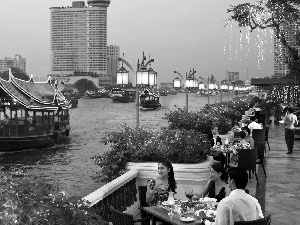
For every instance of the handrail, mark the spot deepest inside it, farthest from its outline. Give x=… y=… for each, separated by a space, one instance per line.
x=104 y=191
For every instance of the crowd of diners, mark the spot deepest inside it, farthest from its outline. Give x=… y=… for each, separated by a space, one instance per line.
x=234 y=201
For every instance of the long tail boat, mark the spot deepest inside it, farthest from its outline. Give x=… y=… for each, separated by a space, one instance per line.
x=32 y=114
x=149 y=100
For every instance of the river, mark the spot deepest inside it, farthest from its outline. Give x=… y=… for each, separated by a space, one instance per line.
x=70 y=163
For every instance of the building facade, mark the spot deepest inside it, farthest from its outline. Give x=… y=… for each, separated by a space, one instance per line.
x=113 y=65
x=78 y=40
x=8 y=62
x=232 y=76
x=280 y=52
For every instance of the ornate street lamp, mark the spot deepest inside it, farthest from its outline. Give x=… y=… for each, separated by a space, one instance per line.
x=190 y=82
x=144 y=77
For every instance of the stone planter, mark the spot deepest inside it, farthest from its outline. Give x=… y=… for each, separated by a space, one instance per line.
x=186 y=175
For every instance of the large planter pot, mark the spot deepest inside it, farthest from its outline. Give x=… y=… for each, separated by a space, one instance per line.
x=186 y=175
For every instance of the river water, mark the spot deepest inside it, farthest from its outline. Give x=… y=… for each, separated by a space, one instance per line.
x=70 y=163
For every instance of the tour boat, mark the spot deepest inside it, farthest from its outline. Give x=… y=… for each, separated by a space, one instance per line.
x=124 y=96
x=149 y=100
x=32 y=114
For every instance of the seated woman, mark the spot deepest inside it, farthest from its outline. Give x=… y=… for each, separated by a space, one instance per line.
x=248 y=138
x=216 y=186
x=235 y=123
x=158 y=188
x=242 y=144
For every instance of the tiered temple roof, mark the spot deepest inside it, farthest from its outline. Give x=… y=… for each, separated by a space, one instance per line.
x=33 y=95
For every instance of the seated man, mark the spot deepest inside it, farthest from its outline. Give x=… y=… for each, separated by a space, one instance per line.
x=212 y=135
x=238 y=206
x=254 y=124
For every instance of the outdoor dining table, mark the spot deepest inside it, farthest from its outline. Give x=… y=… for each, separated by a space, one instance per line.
x=161 y=213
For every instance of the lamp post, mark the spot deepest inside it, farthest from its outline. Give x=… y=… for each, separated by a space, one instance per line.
x=202 y=86
x=144 y=77
x=190 y=82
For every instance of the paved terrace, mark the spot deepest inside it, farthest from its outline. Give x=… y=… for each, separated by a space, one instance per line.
x=279 y=193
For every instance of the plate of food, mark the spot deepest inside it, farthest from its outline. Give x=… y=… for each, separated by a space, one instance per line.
x=187 y=219
x=211 y=213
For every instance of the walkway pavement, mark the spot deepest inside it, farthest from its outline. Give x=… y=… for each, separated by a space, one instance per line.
x=279 y=192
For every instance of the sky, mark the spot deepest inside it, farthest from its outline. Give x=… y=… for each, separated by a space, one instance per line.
x=178 y=34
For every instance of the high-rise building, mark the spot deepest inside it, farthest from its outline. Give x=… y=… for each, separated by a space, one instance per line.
x=9 y=62
x=113 y=65
x=280 y=52
x=78 y=40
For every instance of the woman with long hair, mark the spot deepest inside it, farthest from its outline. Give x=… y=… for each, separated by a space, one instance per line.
x=216 y=186
x=158 y=189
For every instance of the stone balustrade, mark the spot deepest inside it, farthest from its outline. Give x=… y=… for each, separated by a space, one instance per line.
x=121 y=193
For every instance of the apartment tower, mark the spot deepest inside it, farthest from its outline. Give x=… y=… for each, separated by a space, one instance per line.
x=78 y=39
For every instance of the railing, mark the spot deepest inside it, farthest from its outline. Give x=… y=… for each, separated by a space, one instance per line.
x=120 y=193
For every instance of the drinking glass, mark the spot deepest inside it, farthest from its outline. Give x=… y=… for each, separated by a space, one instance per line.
x=189 y=193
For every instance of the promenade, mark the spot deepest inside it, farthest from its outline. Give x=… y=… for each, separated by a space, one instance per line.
x=279 y=193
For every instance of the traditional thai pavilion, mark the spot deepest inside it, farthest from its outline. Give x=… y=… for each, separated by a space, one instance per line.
x=32 y=114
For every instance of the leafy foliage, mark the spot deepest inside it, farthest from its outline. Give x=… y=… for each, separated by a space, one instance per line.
x=140 y=145
x=273 y=14
x=28 y=199
x=199 y=121
x=17 y=73
x=84 y=85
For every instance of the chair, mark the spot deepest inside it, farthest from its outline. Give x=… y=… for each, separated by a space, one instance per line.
x=120 y=218
x=267 y=136
x=258 y=135
x=263 y=221
x=260 y=154
x=247 y=160
x=142 y=198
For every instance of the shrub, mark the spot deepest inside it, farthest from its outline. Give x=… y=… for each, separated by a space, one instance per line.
x=199 y=121
x=140 y=145
x=27 y=199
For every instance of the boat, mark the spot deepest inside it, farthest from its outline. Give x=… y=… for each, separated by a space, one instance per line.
x=173 y=92
x=163 y=93
x=149 y=100
x=89 y=94
x=32 y=115
x=205 y=93
x=124 y=97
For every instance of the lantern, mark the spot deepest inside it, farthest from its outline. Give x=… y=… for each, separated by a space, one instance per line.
x=122 y=76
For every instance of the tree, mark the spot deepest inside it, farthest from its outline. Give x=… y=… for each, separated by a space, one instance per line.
x=17 y=73
x=273 y=14
x=84 y=85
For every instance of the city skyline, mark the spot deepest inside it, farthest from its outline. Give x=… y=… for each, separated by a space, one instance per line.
x=178 y=35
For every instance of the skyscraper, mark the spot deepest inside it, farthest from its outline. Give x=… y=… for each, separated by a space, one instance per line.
x=78 y=39
x=280 y=52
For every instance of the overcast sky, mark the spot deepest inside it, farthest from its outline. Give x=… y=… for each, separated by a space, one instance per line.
x=178 y=35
